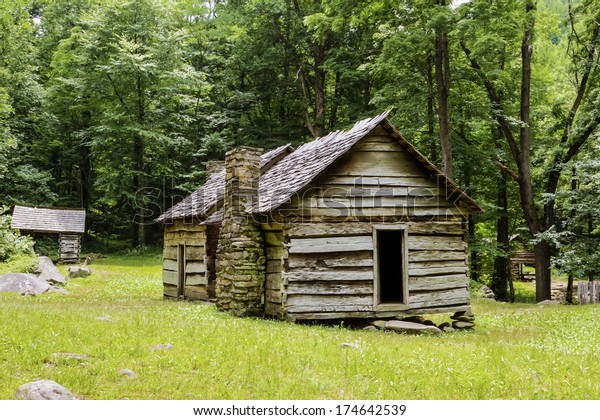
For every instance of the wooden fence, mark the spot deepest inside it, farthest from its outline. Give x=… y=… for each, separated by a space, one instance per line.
x=588 y=292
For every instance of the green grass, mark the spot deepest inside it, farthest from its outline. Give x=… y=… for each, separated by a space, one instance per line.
x=516 y=351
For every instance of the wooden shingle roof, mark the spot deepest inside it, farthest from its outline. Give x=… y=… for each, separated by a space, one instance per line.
x=284 y=176
x=48 y=220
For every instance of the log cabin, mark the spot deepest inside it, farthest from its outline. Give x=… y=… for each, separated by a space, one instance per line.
x=68 y=224
x=355 y=224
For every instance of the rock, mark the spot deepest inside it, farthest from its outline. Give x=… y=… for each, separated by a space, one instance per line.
x=43 y=390
x=463 y=318
x=162 y=347
x=371 y=328
x=444 y=324
x=464 y=313
x=379 y=324
x=412 y=328
x=25 y=284
x=76 y=271
x=462 y=325
x=548 y=302
x=349 y=345
x=487 y=293
x=429 y=322
x=414 y=318
x=48 y=272
x=60 y=290
x=128 y=373
x=448 y=329
x=68 y=357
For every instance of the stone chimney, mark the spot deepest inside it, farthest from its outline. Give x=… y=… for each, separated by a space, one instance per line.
x=213 y=167
x=240 y=253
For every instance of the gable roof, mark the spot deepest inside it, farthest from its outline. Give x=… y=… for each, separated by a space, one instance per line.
x=50 y=220
x=285 y=174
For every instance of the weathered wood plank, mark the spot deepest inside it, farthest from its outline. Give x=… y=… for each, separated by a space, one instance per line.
x=334 y=260
x=413 y=203
x=170 y=290
x=182 y=225
x=314 y=230
x=194 y=253
x=328 y=275
x=319 y=214
x=437 y=264
x=419 y=256
x=432 y=271
x=317 y=301
x=430 y=243
x=330 y=288
x=377 y=144
x=170 y=277
x=170 y=253
x=416 y=284
x=195 y=267
x=375 y=314
x=273 y=296
x=187 y=241
x=331 y=244
x=345 y=191
x=195 y=292
x=170 y=265
x=362 y=163
x=439 y=298
x=196 y=280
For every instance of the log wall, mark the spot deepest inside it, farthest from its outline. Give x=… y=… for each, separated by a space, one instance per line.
x=329 y=271
x=69 y=248
x=193 y=237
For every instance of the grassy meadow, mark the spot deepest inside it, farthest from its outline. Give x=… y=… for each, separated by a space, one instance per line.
x=518 y=351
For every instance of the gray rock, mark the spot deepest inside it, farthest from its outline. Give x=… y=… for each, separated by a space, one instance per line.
x=444 y=325
x=43 y=390
x=414 y=318
x=76 y=271
x=349 y=345
x=162 y=347
x=448 y=329
x=60 y=290
x=371 y=328
x=128 y=373
x=379 y=324
x=25 y=284
x=462 y=325
x=429 y=322
x=48 y=272
x=465 y=313
x=464 y=318
x=487 y=293
x=412 y=328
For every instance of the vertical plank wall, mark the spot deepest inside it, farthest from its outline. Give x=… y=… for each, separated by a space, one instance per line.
x=193 y=237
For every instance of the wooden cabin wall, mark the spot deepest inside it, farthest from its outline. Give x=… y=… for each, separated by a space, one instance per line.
x=276 y=254
x=192 y=237
x=69 y=248
x=330 y=269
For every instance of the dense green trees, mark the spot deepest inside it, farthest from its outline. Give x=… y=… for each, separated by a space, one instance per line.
x=115 y=106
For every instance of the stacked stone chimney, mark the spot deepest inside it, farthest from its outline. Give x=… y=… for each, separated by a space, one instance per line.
x=240 y=253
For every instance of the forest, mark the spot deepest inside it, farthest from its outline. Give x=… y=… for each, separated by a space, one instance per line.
x=116 y=106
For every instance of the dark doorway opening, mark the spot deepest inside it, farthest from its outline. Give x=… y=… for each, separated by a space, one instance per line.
x=390 y=266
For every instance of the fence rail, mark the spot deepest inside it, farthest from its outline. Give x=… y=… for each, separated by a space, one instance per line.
x=588 y=292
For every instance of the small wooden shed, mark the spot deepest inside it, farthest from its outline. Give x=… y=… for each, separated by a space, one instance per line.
x=68 y=224
x=355 y=224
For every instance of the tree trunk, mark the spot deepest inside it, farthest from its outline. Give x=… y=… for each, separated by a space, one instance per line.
x=543 y=286
x=319 y=69
x=442 y=77
x=431 y=114
x=501 y=277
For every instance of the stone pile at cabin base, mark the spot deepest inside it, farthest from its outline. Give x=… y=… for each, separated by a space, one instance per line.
x=417 y=325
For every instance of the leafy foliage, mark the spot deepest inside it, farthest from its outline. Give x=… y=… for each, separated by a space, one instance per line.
x=12 y=244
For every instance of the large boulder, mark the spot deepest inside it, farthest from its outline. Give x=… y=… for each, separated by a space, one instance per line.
x=43 y=390
x=25 y=284
x=48 y=272
x=76 y=271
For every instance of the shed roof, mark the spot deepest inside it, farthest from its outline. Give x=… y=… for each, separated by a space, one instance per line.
x=50 y=220
x=287 y=172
